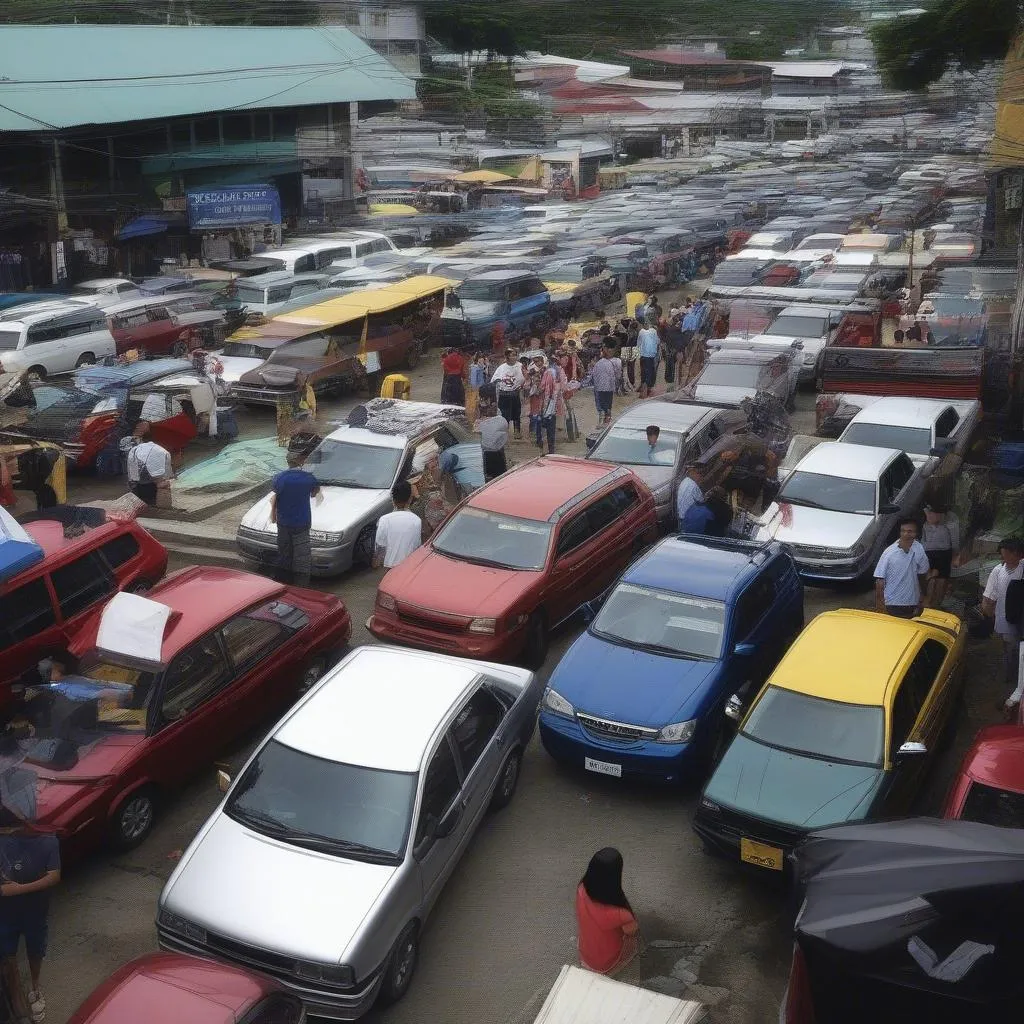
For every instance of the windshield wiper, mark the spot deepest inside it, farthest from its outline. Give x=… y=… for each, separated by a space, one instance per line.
x=345 y=483
x=259 y=820
x=331 y=845
x=476 y=560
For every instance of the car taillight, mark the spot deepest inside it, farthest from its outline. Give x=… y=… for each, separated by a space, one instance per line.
x=799 y=1005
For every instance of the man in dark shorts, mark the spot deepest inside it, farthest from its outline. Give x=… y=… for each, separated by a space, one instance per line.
x=29 y=868
x=941 y=540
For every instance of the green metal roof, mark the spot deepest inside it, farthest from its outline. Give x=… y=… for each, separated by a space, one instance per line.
x=63 y=76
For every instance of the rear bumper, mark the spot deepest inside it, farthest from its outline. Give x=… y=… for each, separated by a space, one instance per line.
x=505 y=647
x=262 y=552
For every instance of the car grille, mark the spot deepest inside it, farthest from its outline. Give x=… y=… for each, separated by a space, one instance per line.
x=736 y=826
x=249 y=393
x=605 y=729
x=264 y=960
x=248 y=533
x=435 y=625
x=810 y=552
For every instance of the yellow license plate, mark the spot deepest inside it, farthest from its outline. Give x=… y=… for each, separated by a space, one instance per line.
x=760 y=854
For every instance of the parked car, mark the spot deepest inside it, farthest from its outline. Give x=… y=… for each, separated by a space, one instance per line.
x=106 y=288
x=843 y=732
x=45 y=604
x=515 y=299
x=732 y=374
x=53 y=338
x=576 y=285
x=148 y=325
x=688 y=430
x=990 y=784
x=220 y=650
x=814 y=326
x=238 y=356
x=839 y=507
x=695 y=618
x=516 y=559
x=168 y=988
x=357 y=467
x=265 y=294
x=358 y=805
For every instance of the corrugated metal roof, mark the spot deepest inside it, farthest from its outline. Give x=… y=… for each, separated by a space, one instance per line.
x=62 y=76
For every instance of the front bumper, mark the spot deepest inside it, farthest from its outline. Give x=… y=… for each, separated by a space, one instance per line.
x=501 y=647
x=319 y=1002
x=722 y=833
x=261 y=396
x=832 y=570
x=644 y=760
x=326 y=561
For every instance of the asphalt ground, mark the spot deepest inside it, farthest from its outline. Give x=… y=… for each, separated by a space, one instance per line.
x=505 y=923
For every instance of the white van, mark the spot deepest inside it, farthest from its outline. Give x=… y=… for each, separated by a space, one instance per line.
x=267 y=293
x=55 y=340
x=307 y=255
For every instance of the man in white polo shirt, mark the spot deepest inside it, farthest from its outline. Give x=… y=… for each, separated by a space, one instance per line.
x=901 y=574
x=993 y=604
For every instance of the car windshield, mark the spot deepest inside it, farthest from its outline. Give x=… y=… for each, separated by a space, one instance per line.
x=488 y=291
x=245 y=350
x=733 y=375
x=993 y=806
x=829 y=729
x=9 y=338
x=916 y=440
x=661 y=620
x=344 y=809
x=121 y=699
x=798 y=327
x=490 y=538
x=246 y=293
x=342 y=464
x=630 y=447
x=954 y=305
x=567 y=274
x=834 y=493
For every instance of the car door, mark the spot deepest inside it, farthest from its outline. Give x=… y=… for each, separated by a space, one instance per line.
x=560 y=594
x=755 y=645
x=28 y=626
x=440 y=811
x=481 y=749
x=909 y=483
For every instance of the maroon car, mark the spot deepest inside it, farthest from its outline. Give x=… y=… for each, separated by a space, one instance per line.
x=170 y=988
x=990 y=785
x=165 y=683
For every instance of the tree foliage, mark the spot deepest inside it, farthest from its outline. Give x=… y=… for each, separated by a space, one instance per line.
x=916 y=50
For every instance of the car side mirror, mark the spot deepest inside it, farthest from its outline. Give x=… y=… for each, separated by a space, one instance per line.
x=745 y=649
x=223 y=781
x=911 y=749
x=889 y=510
x=734 y=707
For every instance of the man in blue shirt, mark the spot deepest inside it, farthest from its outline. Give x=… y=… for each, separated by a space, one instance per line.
x=647 y=343
x=290 y=509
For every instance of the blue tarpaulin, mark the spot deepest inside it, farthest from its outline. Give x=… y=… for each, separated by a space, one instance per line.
x=17 y=549
x=149 y=224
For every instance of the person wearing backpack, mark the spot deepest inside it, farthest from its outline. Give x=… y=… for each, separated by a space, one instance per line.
x=1006 y=607
x=149 y=465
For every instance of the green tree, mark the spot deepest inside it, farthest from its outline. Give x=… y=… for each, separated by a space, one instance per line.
x=917 y=50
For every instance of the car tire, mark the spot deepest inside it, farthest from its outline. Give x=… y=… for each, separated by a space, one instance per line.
x=133 y=819
x=36 y=373
x=86 y=359
x=401 y=966
x=412 y=358
x=508 y=779
x=535 y=646
x=311 y=675
x=362 y=550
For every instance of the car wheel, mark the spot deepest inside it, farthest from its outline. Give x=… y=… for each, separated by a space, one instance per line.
x=36 y=373
x=86 y=359
x=401 y=967
x=535 y=647
x=179 y=350
x=311 y=674
x=133 y=819
x=412 y=358
x=362 y=552
x=508 y=779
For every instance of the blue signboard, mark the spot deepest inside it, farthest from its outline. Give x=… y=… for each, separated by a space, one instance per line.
x=233 y=206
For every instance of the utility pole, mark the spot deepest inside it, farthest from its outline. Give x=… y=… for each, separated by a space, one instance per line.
x=57 y=190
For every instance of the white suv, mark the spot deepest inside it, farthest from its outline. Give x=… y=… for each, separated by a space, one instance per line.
x=55 y=339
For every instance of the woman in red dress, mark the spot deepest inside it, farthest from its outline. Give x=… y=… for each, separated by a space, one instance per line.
x=608 y=932
x=453 y=391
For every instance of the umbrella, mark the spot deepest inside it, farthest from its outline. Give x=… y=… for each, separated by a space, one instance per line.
x=482 y=176
x=393 y=210
x=17 y=549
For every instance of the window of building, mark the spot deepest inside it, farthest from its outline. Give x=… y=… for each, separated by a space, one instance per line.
x=379 y=19
x=207 y=131
x=237 y=127
x=261 y=124
x=181 y=135
x=285 y=124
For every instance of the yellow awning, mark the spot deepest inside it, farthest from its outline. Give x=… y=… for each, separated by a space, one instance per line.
x=393 y=210
x=350 y=307
x=482 y=176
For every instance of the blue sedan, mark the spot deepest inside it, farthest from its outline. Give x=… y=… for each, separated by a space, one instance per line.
x=641 y=693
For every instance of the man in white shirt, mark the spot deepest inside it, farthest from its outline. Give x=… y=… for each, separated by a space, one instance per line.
x=901 y=574
x=399 y=533
x=691 y=490
x=993 y=604
x=509 y=378
x=149 y=465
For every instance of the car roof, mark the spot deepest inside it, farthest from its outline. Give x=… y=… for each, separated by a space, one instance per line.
x=502 y=275
x=808 y=309
x=849 y=656
x=838 y=458
x=103 y=282
x=741 y=355
x=541 y=489
x=705 y=568
x=997 y=757
x=676 y=416
x=902 y=412
x=342 y=718
x=370 y=438
x=49 y=535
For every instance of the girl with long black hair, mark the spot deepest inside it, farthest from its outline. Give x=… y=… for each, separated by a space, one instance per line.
x=608 y=932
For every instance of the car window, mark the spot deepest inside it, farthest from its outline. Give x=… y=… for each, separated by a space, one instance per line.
x=120 y=550
x=422 y=453
x=752 y=606
x=81 y=583
x=904 y=715
x=923 y=672
x=903 y=470
x=573 y=533
x=946 y=423
x=197 y=674
x=440 y=787
x=24 y=612
x=993 y=806
x=248 y=638
x=609 y=507
x=474 y=726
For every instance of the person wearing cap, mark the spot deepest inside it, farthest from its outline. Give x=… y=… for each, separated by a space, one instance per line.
x=941 y=541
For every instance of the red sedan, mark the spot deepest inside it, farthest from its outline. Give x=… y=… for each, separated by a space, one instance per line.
x=170 y=988
x=990 y=785
x=516 y=559
x=165 y=683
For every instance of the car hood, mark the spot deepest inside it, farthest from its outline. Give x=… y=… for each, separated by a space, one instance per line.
x=274 y=375
x=721 y=394
x=235 y=366
x=632 y=686
x=312 y=910
x=810 y=344
x=653 y=476
x=791 y=789
x=434 y=581
x=797 y=524
x=340 y=509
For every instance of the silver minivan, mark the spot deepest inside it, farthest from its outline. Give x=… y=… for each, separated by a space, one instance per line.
x=320 y=866
x=54 y=339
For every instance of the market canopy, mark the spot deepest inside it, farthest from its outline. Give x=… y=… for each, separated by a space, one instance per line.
x=393 y=210
x=483 y=176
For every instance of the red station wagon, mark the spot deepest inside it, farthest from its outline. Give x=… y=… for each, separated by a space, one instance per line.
x=235 y=649
x=990 y=785
x=516 y=559
x=170 y=988
x=43 y=605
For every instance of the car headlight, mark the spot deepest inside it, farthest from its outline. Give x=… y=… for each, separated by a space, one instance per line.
x=483 y=626
x=325 y=538
x=678 y=732
x=333 y=974
x=172 y=922
x=553 y=701
x=385 y=601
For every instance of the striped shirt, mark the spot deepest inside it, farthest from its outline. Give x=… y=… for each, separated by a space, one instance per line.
x=601 y=376
x=900 y=570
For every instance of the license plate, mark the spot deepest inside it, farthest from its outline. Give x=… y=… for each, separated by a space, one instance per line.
x=760 y=854
x=602 y=767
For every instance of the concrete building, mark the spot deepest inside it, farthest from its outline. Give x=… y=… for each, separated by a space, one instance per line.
x=395 y=30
